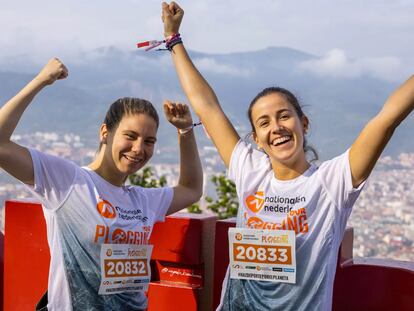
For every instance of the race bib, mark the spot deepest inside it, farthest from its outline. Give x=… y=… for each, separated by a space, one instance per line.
x=264 y=255
x=125 y=268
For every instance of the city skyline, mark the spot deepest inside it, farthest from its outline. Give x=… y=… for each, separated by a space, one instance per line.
x=382 y=218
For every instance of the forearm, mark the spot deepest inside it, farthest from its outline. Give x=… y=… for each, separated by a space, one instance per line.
x=12 y=111
x=191 y=173
x=369 y=145
x=196 y=88
x=399 y=105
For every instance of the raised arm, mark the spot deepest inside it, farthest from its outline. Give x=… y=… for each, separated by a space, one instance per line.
x=201 y=96
x=367 y=148
x=190 y=183
x=15 y=159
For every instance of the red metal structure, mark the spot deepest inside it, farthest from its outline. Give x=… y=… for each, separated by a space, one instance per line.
x=189 y=251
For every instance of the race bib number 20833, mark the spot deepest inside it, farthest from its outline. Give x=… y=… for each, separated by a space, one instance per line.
x=265 y=255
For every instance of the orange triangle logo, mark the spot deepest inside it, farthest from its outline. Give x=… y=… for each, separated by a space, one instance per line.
x=255 y=202
x=106 y=209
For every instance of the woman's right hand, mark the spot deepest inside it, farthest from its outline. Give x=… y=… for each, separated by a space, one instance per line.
x=172 y=15
x=52 y=71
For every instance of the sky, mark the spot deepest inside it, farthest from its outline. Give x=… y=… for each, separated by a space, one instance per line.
x=348 y=36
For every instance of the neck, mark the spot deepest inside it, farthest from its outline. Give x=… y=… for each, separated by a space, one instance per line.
x=288 y=171
x=99 y=167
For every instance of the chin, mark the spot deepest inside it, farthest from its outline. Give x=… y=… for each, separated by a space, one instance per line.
x=285 y=157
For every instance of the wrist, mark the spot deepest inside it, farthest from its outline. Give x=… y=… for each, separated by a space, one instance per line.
x=169 y=34
x=40 y=81
x=182 y=131
x=172 y=40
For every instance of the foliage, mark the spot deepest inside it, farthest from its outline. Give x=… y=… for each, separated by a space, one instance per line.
x=224 y=206
x=227 y=203
x=146 y=178
x=194 y=208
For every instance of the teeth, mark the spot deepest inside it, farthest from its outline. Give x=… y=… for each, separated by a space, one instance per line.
x=132 y=159
x=280 y=140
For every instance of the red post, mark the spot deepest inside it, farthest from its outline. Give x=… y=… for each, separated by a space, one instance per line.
x=26 y=255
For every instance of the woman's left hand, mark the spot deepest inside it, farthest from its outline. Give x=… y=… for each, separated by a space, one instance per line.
x=178 y=114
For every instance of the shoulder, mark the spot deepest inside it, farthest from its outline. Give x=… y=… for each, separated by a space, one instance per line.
x=244 y=154
x=340 y=161
x=49 y=159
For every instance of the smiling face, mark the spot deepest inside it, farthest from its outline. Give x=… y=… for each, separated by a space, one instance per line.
x=279 y=131
x=128 y=147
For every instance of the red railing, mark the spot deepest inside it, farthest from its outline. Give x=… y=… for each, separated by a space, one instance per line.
x=189 y=261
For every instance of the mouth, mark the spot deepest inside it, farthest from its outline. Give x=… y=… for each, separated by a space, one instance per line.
x=281 y=140
x=134 y=160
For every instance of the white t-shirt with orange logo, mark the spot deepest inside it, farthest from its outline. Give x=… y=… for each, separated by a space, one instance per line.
x=316 y=205
x=83 y=211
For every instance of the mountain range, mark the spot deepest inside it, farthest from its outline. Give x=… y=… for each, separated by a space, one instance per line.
x=337 y=106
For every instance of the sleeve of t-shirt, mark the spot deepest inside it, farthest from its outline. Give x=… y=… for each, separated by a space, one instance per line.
x=53 y=178
x=337 y=178
x=245 y=161
x=160 y=199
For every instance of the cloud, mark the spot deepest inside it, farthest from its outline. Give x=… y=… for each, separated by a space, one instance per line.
x=210 y=65
x=65 y=27
x=336 y=64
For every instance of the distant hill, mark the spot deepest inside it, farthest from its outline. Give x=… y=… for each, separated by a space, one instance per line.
x=338 y=107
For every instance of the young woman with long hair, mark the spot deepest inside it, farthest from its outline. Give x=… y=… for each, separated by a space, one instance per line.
x=97 y=227
x=279 y=189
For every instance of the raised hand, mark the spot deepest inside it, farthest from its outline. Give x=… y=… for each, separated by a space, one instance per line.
x=178 y=114
x=172 y=15
x=52 y=71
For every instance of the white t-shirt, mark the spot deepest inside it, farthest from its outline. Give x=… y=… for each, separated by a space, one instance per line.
x=83 y=211
x=316 y=205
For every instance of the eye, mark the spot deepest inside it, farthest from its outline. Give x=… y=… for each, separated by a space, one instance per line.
x=263 y=123
x=150 y=142
x=129 y=136
x=284 y=116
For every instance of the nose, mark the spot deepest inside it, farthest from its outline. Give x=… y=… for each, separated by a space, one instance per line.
x=138 y=146
x=276 y=126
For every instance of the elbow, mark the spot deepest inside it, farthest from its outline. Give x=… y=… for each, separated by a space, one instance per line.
x=196 y=193
x=4 y=146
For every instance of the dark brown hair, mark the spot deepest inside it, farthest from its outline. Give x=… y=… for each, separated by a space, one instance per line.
x=291 y=99
x=128 y=106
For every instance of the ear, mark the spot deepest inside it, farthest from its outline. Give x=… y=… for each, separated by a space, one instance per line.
x=103 y=134
x=256 y=140
x=305 y=124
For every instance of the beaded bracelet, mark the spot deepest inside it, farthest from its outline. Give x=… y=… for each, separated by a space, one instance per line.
x=172 y=40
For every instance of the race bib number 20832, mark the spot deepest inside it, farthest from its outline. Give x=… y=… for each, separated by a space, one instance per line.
x=124 y=268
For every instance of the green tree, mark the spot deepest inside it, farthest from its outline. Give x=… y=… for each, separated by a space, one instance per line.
x=227 y=203
x=194 y=208
x=146 y=178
